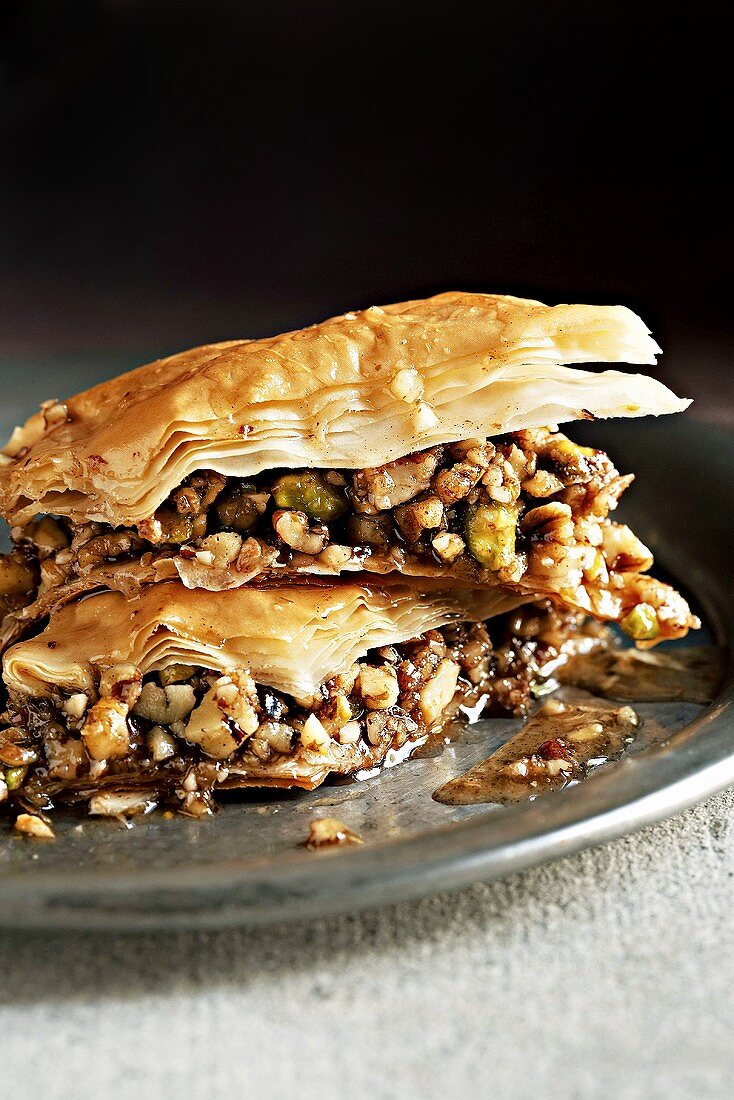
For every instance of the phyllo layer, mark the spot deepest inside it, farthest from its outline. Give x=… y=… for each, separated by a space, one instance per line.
x=179 y=692
x=354 y=392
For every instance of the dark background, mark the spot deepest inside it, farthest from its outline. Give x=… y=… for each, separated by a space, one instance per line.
x=179 y=172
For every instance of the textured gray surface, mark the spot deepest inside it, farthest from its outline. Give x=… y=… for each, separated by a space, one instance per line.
x=606 y=974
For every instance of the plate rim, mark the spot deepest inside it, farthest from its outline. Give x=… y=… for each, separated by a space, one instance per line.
x=669 y=777
x=693 y=764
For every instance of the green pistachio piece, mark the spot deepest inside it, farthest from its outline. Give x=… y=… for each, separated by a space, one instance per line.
x=308 y=492
x=175 y=527
x=641 y=623
x=14 y=777
x=175 y=674
x=489 y=530
x=236 y=509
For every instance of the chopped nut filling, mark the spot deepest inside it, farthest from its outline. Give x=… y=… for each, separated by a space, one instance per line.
x=176 y=734
x=530 y=509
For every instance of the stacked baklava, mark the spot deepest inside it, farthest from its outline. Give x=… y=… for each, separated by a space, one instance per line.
x=263 y=562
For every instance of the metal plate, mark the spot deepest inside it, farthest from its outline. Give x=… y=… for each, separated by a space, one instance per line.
x=247 y=864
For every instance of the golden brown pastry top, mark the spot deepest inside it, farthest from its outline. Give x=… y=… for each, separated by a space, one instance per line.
x=292 y=639
x=355 y=391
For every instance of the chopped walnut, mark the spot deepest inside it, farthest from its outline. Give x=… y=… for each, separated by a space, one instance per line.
x=501 y=483
x=151 y=529
x=349 y=734
x=223 y=547
x=277 y=735
x=473 y=458
x=52 y=574
x=393 y=726
x=551 y=522
x=16 y=575
x=161 y=744
x=588 y=530
x=108 y=546
x=542 y=484
x=120 y=803
x=236 y=696
x=437 y=693
x=517 y=463
x=208 y=728
x=31 y=825
x=375 y=725
x=195 y=793
x=345 y=681
x=335 y=557
x=378 y=686
x=121 y=681
x=186 y=501
x=419 y=516
x=623 y=551
x=54 y=413
x=47 y=535
x=479 y=451
x=105 y=731
x=228 y=713
x=314 y=736
x=333 y=477
x=293 y=529
x=336 y=714
x=13 y=754
x=448 y=546
x=457 y=482
x=384 y=487
x=254 y=556
x=66 y=757
x=165 y=705
x=75 y=705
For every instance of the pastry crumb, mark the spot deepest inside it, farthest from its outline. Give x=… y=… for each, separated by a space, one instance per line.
x=327 y=832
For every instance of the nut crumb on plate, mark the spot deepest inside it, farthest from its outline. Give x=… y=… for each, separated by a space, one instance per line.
x=327 y=832
x=34 y=826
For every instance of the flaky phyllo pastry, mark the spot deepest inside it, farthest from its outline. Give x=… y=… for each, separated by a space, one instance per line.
x=412 y=439
x=287 y=547
x=273 y=686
